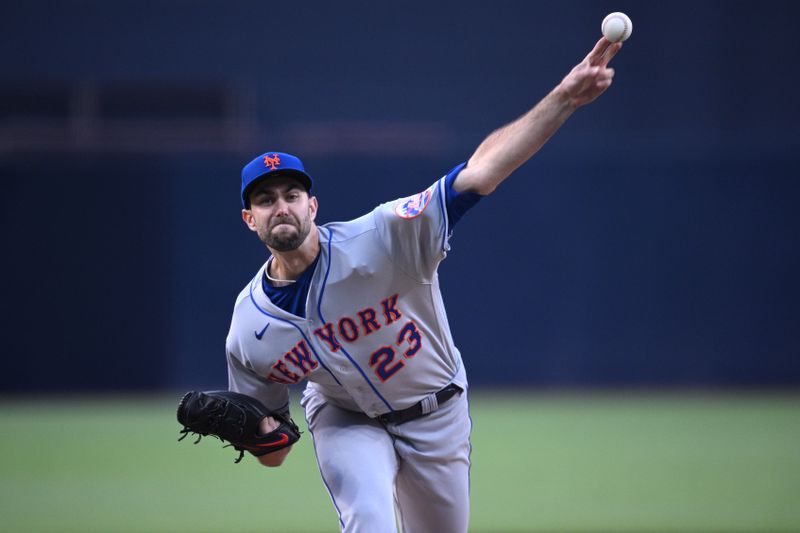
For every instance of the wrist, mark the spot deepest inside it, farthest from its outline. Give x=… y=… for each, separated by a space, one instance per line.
x=563 y=99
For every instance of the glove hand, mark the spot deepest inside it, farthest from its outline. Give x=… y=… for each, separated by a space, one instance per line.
x=242 y=421
x=268 y=425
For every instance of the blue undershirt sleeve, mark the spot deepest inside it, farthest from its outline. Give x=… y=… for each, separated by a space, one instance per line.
x=458 y=203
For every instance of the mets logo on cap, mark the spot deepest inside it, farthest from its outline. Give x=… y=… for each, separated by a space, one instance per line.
x=272 y=161
x=413 y=206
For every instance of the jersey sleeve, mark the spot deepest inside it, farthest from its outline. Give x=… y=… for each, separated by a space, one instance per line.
x=458 y=203
x=416 y=229
x=275 y=396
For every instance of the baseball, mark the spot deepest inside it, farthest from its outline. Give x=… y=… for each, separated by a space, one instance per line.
x=617 y=27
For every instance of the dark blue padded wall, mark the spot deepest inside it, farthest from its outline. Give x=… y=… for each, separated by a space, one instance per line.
x=654 y=241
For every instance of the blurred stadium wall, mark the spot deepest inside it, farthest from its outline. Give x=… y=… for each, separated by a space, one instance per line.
x=653 y=242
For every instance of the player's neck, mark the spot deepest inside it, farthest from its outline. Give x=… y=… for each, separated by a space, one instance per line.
x=289 y=265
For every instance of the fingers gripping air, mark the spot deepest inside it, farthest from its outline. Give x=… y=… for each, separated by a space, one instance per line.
x=234 y=418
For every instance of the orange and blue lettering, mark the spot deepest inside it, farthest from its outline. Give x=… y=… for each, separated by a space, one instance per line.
x=410 y=334
x=272 y=161
x=280 y=366
x=302 y=358
x=390 y=311
x=348 y=329
x=368 y=321
x=381 y=361
x=325 y=333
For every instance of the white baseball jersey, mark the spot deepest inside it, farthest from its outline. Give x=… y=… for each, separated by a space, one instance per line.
x=375 y=337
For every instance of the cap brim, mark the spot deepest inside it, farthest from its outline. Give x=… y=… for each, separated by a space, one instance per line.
x=302 y=177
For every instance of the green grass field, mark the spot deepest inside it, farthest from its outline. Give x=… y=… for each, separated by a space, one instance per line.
x=541 y=462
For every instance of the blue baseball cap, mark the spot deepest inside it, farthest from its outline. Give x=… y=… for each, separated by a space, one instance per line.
x=269 y=164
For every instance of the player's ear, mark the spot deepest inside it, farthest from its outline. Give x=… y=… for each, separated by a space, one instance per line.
x=249 y=220
x=312 y=207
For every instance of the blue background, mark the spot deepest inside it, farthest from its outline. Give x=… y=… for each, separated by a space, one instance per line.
x=652 y=242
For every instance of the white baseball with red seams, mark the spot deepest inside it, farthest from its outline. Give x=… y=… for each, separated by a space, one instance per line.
x=617 y=27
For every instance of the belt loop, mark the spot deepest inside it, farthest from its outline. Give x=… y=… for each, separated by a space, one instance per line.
x=429 y=404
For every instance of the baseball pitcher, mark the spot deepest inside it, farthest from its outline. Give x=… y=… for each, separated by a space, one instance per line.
x=354 y=310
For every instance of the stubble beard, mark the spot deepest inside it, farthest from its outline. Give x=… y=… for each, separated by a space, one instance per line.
x=286 y=241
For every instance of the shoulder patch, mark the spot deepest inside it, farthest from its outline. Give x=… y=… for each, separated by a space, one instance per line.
x=413 y=206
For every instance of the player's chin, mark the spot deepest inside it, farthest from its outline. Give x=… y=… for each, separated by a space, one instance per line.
x=285 y=242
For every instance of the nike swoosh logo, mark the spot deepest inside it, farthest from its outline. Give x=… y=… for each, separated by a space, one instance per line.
x=260 y=334
x=283 y=440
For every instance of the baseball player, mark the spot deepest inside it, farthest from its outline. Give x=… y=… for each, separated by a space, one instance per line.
x=354 y=309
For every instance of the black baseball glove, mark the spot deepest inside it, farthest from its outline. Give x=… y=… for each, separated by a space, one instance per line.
x=234 y=418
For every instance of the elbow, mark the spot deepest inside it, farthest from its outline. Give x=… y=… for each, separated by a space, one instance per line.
x=484 y=189
x=477 y=179
x=484 y=185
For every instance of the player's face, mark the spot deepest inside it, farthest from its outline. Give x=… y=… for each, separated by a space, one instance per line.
x=281 y=213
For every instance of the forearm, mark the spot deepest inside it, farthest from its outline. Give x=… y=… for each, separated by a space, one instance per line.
x=502 y=152
x=274 y=458
x=267 y=425
x=507 y=148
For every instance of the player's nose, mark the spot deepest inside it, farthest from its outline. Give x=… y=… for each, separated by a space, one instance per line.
x=281 y=215
x=280 y=207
